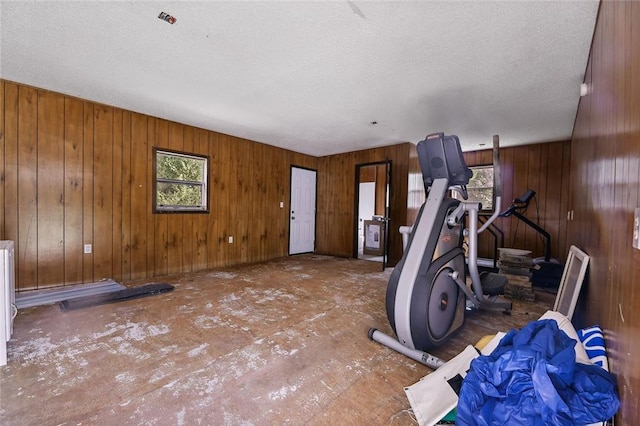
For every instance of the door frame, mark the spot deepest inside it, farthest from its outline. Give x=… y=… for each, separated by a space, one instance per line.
x=388 y=192
x=315 y=215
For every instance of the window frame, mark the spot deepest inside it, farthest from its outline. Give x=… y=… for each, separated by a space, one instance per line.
x=203 y=207
x=492 y=188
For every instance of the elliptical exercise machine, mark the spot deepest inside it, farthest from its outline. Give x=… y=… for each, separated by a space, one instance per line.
x=427 y=293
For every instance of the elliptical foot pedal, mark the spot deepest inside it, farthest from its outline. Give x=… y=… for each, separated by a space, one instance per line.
x=493 y=284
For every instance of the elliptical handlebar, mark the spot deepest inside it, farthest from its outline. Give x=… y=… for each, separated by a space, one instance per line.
x=520 y=203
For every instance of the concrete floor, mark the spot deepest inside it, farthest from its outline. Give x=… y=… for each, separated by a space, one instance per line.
x=281 y=342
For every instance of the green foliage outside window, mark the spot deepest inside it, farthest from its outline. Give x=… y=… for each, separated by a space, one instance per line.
x=180 y=181
x=480 y=187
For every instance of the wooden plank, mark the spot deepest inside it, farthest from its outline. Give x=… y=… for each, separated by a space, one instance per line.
x=520 y=184
x=117 y=251
x=27 y=256
x=506 y=161
x=73 y=190
x=554 y=177
x=103 y=192
x=50 y=181
x=189 y=238
x=224 y=200
x=630 y=294
x=266 y=195
x=322 y=213
x=88 y=190
x=399 y=193
x=127 y=183
x=549 y=217
x=175 y=240
x=277 y=163
x=244 y=199
x=215 y=183
x=282 y=186
x=161 y=223
x=531 y=237
x=200 y=221
x=620 y=193
x=150 y=215
x=11 y=96
x=2 y=165
x=139 y=194
x=232 y=204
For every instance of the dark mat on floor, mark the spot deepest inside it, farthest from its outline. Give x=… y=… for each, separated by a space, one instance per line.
x=116 y=296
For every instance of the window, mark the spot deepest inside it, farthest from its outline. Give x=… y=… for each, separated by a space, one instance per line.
x=180 y=182
x=480 y=187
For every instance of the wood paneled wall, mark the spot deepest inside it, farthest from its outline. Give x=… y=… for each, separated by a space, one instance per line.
x=76 y=172
x=605 y=188
x=336 y=198
x=545 y=168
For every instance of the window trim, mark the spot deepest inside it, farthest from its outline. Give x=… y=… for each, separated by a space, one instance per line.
x=160 y=209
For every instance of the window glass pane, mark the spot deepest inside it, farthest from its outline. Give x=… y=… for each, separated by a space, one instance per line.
x=482 y=177
x=179 y=167
x=180 y=182
x=480 y=187
x=483 y=196
x=178 y=194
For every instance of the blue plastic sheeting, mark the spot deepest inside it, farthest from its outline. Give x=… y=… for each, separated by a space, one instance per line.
x=532 y=378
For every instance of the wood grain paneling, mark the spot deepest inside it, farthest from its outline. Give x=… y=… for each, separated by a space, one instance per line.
x=540 y=167
x=87 y=190
x=175 y=243
x=127 y=183
x=102 y=192
x=336 y=198
x=27 y=188
x=10 y=182
x=605 y=189
x=50 y=189
x=141 y=217
x=75 y=172
x=2 y=163
x=160 y=257
x=116 y=203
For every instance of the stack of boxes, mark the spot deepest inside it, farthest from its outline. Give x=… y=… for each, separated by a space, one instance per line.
x=516 y=266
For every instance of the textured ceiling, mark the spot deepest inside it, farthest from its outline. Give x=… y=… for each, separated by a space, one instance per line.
x=313 y=76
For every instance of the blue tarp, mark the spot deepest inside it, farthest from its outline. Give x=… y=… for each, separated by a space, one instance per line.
x=532 y=378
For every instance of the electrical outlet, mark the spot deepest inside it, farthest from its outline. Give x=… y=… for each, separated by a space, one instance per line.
x=230 y=239
x=636 y=229
x=282 y=204
x=87 y=248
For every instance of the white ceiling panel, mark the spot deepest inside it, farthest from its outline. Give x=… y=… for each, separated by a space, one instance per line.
x=313 y=76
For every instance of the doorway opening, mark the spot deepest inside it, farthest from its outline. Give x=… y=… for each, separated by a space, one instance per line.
x=372 y=193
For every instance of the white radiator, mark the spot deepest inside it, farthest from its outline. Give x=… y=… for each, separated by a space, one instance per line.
x=8 y=308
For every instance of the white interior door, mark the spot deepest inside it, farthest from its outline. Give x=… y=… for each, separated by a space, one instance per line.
x=302 y=217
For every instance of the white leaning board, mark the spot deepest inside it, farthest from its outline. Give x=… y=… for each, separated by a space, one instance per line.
x=7 y=296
